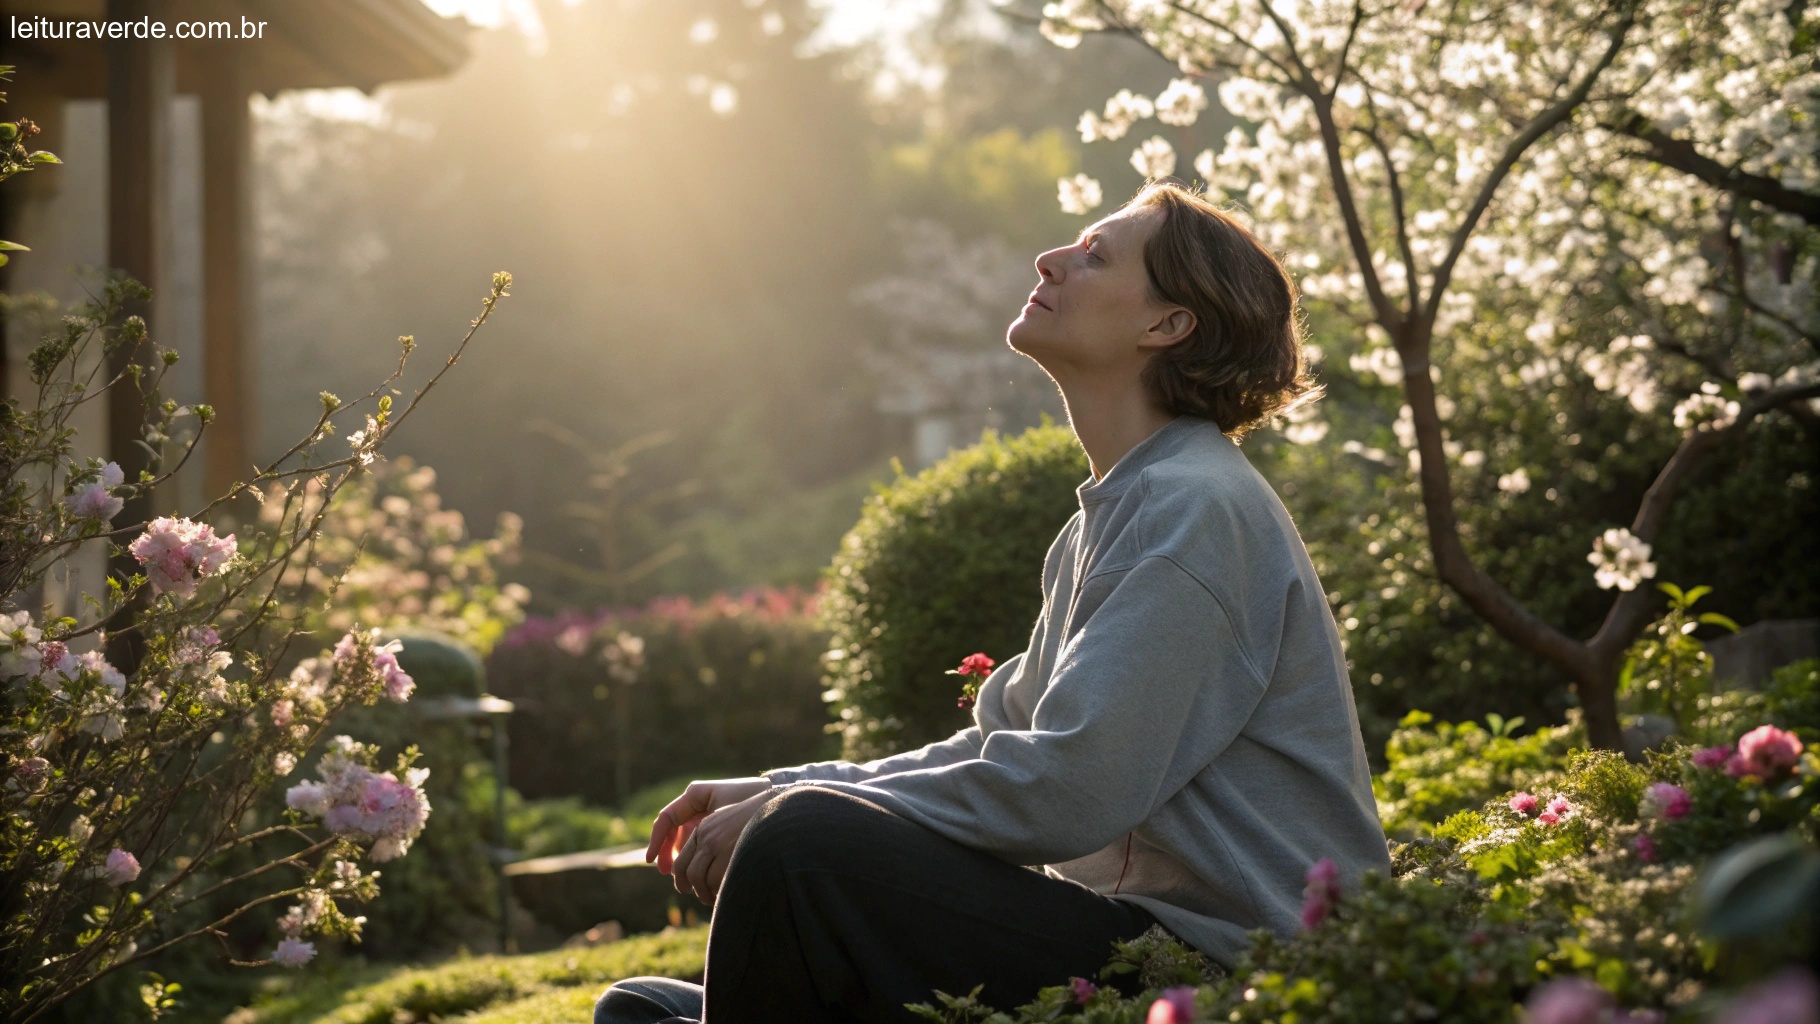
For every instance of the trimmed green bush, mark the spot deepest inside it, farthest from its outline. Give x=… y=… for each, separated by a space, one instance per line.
x=941 y=565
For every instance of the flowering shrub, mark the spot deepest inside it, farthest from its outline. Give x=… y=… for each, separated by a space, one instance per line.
x=141 y=730
x=616 y=700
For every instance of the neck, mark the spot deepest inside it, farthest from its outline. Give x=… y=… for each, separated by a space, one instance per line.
x=1110 y=420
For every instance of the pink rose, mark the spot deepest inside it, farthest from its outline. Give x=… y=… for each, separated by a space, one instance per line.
x=1665 y=800
x=1766 y=752
x=1523 y=803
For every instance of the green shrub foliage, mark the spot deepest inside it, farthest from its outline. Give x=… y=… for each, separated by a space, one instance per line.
x=942 y=564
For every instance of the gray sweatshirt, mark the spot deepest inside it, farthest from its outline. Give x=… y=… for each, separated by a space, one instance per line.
x=1180 y=732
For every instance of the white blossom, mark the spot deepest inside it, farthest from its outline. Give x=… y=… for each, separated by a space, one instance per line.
x=1078 y=194
x=1706 y=409
x=1181 y=103
x=1154 y=157
x=1620 y=560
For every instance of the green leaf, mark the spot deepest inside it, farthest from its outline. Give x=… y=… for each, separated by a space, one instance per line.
x=1755 y=888
x=44 y=157
x=1715 y=619
x=1672 y=591
x=13 y=247
x=1697 y=593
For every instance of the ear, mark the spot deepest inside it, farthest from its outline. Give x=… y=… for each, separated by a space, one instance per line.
x=1175 y=324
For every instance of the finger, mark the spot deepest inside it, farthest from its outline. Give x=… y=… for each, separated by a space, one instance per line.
x=717 y=873
x=679 y=870
x=674 y=813
x=698 y=870
x=660 y=833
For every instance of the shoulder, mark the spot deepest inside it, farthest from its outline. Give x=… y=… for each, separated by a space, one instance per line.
x=1208 y=509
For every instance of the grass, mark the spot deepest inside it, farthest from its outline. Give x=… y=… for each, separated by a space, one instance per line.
x=533 y=988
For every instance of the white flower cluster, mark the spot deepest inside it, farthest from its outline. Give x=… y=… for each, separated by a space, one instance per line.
x=1706 y=409
x=1078 y=194
x=1154 y=158
x=86 y=682
x=1620 y=560
x=1123 y=110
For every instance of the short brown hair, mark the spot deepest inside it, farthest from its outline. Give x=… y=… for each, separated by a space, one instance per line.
x=1242 y=363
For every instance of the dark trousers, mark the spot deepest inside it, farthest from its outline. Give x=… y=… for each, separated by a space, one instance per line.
x=835 y=910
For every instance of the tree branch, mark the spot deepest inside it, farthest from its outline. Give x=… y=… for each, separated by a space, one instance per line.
x=1632 y=608
x=1681 y=155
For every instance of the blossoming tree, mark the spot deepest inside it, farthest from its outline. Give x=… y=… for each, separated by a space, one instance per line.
x=1626 y=191
x=125 y=789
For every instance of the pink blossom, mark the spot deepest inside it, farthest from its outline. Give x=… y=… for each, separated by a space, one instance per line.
x=343 y=818
x=1322 y=892
x=1558 y=810
x=348 y=646
x=1786 y=997
x=1711 y=757
x=1644 y=847
x=1569 y=1001
x=177 y=553
x=398 y=682
x=1523 y=803
x=1665 y=800
x=1082 y=988
x=293 y=953
x=1765 y=752
x=282 y=711
x=196 y=645
x=1176 y=1006
x=92 y=500
x=309 y=797
x=121 y=868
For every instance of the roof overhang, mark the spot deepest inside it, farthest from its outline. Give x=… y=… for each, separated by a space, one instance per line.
x=314 y=45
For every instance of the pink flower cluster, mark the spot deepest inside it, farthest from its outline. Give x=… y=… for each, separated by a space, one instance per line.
x=353 y=799
x=568 y=628
x=178 y=553
x=1322 y=893
x=398 y=682
x=1558 y=810
x=93 y=500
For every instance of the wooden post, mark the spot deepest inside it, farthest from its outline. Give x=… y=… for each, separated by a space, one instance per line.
x=226 y=289
x=141 y=80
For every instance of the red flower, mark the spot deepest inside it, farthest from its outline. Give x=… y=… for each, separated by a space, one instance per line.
x=974 y=669
x=976 y=664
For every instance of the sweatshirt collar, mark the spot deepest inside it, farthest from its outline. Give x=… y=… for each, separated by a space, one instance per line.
x=1164 y=441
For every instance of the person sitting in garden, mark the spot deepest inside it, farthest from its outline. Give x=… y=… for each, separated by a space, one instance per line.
x=1177 y=746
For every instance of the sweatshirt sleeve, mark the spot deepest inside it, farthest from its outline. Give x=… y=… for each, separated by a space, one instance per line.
x=1149 y=690
x=961 y=746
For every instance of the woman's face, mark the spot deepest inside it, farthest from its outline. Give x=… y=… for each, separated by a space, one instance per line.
x=1092 y=309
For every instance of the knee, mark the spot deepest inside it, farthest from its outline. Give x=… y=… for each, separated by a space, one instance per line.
x=800 y=820
x=641 y=1001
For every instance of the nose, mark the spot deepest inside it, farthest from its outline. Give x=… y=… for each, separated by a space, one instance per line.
x=1049 y=264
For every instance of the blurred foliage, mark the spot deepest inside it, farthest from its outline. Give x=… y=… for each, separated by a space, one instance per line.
x=390 y=555
x=942 y=564
x=728 y=685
